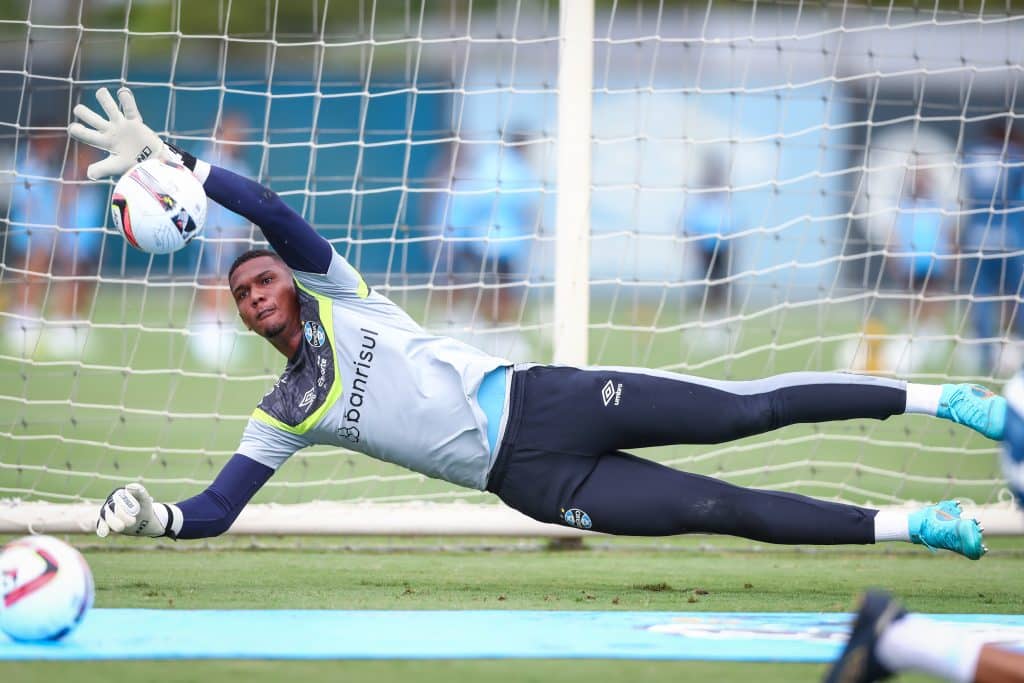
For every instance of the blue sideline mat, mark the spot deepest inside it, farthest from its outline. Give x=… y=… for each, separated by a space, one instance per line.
x=324 y=634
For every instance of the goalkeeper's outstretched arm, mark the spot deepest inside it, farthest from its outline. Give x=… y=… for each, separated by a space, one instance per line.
x=213 y=511
x=295 y=240
x=131 y=510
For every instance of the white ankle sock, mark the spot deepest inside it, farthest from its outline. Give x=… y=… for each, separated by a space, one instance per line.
x=923 y=398
x=891 y=526
x=916 y=643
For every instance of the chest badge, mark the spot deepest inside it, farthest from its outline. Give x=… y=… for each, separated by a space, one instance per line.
x=314 y=333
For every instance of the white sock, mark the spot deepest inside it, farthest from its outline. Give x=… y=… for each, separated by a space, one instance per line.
x=891 y=526
x=923 y=398
x=916 y=643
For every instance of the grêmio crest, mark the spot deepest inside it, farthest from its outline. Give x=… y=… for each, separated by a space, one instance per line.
x=314 y=333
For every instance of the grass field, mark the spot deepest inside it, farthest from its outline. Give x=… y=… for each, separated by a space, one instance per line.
x=690 y=574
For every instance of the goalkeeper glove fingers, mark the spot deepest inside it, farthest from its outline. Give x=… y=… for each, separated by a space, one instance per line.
x=130 y=510
x=122 y=134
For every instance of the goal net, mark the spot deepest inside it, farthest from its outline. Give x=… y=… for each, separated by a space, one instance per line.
x=760 y=188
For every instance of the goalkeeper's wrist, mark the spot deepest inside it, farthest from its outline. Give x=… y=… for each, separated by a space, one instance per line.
x=170 y=518
x=200 y=169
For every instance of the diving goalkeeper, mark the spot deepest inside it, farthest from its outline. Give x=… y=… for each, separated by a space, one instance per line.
x=550 y=441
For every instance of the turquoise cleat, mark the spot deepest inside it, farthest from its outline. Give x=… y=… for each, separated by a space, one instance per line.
x=974 y=406
x=940 y=526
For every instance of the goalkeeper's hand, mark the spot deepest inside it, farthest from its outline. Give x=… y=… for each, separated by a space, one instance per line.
x=123 y=134
x=130 y=510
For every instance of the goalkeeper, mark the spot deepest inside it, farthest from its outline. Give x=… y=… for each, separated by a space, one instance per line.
x=550 y=441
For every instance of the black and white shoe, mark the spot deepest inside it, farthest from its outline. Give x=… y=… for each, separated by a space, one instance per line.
x=858 y=663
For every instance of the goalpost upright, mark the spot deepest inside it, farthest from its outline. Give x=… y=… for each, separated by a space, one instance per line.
x=572 y=223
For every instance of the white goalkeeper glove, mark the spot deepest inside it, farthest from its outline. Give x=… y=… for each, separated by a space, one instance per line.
x=128 y=140
x=130 y=510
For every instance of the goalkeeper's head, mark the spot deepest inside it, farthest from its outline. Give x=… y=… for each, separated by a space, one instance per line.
x=1013 y=442
x=264 y=292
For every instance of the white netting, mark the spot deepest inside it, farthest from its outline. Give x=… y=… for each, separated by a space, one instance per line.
x=775 y=188
x=793 y=188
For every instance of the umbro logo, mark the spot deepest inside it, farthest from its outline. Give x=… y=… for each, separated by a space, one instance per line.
x=143 y=155
x=308 y=398
x=611 y=391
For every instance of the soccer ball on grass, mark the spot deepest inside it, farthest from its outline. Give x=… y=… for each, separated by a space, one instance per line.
x=158 y=206
x=45 y=588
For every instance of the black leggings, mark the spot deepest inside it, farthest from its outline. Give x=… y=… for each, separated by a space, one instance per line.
x=561 y=458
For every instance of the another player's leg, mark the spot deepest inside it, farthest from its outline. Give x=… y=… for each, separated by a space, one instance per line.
x=886 y=639
x=986 y=308
x=858 y=662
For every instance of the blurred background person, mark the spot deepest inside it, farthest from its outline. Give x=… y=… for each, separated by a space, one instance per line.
x=487 y=223
x=993 y=189
x=83 y=213
x=708 y=221
x=920 y=264
x=31 y=234
x=213 y=327
x=55 y=225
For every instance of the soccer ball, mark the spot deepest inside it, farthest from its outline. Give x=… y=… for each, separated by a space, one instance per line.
x=46 y=588
x=159 y=206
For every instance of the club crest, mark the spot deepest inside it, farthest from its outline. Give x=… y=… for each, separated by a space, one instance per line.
x=577 y=518
x=314 y=333
x=349 y=433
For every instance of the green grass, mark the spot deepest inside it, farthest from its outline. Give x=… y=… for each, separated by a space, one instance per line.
x=729 y=578
x=689 y=574
x=444 y=671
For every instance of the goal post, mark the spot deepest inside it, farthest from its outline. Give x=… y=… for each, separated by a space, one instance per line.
x=572 y=222
x=720 y=189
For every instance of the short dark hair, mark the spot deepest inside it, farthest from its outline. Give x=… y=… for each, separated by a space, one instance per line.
x=249 y=256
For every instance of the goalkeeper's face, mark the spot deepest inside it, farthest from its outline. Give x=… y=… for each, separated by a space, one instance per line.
x=265 y=296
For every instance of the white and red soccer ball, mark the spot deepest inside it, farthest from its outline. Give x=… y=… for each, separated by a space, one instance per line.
x=46 y=588
x=158 y=206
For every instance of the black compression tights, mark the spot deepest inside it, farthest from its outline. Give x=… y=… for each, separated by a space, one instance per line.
x=624 y=494
x=563 y=450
